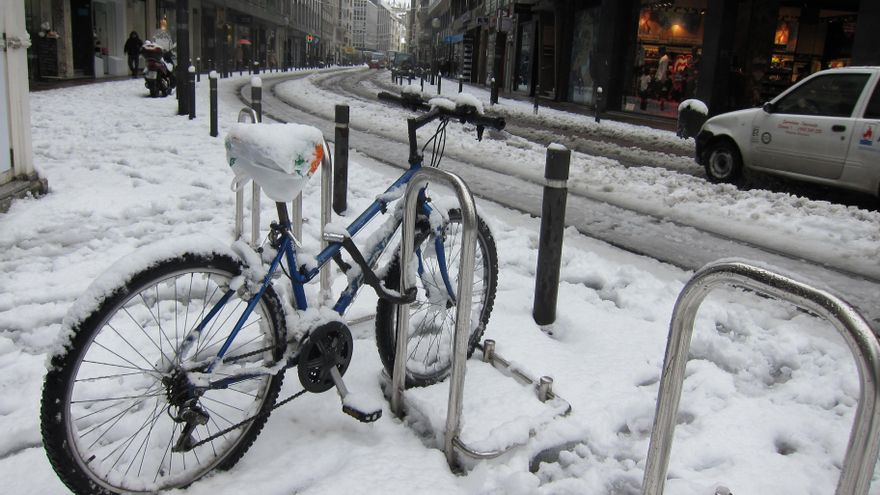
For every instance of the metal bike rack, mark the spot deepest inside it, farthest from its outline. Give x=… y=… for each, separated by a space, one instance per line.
x=864 y=440
x=248 y=115
x=452 y=441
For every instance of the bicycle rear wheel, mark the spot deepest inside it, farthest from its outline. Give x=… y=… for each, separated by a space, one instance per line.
x=432 y=320
x=111 y=399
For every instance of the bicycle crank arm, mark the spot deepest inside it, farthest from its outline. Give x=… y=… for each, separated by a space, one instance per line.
x=359 y=406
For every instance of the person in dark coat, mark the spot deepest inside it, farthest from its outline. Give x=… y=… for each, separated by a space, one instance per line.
x=133 y=49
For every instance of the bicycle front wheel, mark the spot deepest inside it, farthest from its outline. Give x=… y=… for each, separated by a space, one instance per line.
x=432 y=317
x=110 y=416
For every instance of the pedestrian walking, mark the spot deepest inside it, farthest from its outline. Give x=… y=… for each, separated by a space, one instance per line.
x=133 y=49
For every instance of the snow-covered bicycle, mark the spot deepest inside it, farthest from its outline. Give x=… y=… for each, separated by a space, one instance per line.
x=170 y=364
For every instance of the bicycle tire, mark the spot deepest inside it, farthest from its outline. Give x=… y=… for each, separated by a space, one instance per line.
x=104 y=364
x=419 y=371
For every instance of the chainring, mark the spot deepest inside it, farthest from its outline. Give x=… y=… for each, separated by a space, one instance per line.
x=325 y=347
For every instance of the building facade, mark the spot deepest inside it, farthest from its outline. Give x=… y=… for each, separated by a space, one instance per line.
x=647 y=55
x=85 y=38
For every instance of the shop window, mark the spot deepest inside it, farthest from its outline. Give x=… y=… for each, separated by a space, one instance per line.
x=834 y=95
x=670 y=44
x=586 y=27
x=524 y=66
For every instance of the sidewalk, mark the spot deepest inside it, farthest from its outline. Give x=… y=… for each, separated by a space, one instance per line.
x=47 y=84
x=663 y=123
x=656 y=122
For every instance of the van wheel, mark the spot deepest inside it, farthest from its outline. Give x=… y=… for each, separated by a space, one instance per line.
x=723 y=162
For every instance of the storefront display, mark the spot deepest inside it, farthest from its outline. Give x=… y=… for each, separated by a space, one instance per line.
x=669 y=48
x=524 y=61
x=581 y=88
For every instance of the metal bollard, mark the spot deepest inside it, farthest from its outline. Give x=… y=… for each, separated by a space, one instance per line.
x=600 y=99
x=460 y=83
x=439 y=82
x=340 y=160
x=493 y=97
x=422 y=83
x=191 y=82
x=199 y=69
x=212 y=79
x=257 y=97
x=256 y=67
x=552 y=229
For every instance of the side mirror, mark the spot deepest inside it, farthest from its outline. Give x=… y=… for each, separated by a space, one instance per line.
x=768 y=107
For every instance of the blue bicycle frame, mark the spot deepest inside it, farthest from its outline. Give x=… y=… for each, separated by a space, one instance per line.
x=287 y=251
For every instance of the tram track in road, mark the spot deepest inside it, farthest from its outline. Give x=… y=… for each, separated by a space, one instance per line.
x=681 y=245
x=593 y=142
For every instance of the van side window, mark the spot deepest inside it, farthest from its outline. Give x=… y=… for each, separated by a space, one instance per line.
x=832 y=95
x=873 y=109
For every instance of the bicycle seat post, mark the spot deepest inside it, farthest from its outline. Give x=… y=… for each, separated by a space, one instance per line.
x=283 y=215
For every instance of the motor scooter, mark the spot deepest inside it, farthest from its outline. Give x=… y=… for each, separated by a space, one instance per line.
x=159 y=74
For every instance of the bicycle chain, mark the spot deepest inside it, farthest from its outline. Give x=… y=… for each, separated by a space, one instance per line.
x=232 y=359
x=247 y=420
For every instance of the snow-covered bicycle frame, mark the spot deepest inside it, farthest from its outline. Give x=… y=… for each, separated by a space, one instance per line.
x=234 y=346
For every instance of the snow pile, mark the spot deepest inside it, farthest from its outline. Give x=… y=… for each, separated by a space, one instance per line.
x=694 y=105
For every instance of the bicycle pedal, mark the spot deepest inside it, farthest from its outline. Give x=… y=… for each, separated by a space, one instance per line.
x=362 y=407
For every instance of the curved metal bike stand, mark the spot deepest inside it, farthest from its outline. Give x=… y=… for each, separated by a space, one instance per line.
x=861 y=453
x=462 y=308
x=452 y=442
x=248 y=115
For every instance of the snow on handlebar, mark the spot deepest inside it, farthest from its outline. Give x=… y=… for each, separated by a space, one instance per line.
x=465 y=108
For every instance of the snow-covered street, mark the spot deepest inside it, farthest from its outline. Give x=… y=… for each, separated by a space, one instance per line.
x=770 y=393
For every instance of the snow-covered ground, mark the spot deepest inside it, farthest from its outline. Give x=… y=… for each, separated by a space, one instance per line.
x=770 y=392
x=764 y=218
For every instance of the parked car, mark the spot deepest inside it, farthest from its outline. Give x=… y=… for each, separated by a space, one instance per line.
x=824 y=129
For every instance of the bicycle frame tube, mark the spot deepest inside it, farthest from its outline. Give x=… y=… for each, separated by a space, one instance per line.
x=298 y=280
x=252 y=303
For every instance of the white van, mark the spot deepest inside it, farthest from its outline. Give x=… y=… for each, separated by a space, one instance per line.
x=824 y=129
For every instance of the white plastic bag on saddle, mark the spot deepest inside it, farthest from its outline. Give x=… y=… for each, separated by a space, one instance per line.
x=280 y=158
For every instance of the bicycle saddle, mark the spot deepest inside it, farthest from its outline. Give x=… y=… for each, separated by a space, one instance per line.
x=280 y=158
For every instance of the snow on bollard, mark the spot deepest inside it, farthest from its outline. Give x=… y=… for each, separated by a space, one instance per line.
x=692 y=114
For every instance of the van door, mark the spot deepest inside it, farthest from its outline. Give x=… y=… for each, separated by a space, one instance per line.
x=808 y=130
x=863 y=159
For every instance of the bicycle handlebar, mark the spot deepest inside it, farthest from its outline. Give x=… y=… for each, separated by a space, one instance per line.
x=464 y=113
